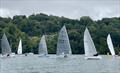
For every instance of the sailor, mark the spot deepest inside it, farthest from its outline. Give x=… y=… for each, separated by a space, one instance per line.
x=95 y=54
x=65 y=56
x=8 y=55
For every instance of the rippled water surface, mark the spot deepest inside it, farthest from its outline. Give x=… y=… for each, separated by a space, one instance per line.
x=52 y=64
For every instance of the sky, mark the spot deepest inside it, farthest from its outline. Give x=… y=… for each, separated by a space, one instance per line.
x=73 y=9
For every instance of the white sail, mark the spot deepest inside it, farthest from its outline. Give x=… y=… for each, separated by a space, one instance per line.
x=89 y=46
x=63 y=45
x=43 y=46
x=20 y=47
x=6 y=49
x=110 y=45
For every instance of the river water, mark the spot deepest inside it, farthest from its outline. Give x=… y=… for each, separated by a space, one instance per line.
x=53 y=64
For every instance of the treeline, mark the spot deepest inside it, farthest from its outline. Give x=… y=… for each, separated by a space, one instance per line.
x=31 y=28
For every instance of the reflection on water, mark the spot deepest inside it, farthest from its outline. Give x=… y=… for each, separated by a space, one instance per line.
x=73 y=64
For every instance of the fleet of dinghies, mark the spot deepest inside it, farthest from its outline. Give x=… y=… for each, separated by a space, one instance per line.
x=63 y=46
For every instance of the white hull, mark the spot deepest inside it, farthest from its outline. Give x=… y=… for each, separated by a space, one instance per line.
x=29 y=54
x=115 y=56
x=63 y=56
x=93 y=58
x=20 y=55
x=43 y=55
x=12 y=54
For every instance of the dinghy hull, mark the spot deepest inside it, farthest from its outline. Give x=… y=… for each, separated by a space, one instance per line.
x=93 y=58
x=63 y=56
x=43 y=55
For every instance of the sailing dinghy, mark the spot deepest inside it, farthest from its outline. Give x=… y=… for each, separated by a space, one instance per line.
x=42 y=47
x=110 y=45
x=89 y=47
x=63 y=45
x=19 y=52
x=6 y=49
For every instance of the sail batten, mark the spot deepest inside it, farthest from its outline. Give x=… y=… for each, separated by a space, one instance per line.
x=63 y=45
x=20 y=47
x=89 y=46
x=6 y=49
x=110 y=45
x=43 y=46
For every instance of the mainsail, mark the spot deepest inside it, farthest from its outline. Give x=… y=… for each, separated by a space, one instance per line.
x=5 y=45
x=43 y=46
x=89 y=46
x=63 y=45
x=110 y=45
x=20 y=47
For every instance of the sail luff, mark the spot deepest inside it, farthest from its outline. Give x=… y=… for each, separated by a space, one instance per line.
x=20 y=47
x=63 y=45
x=110 y=45
x=89 y=46
x=43 y=46
x=6 y=49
